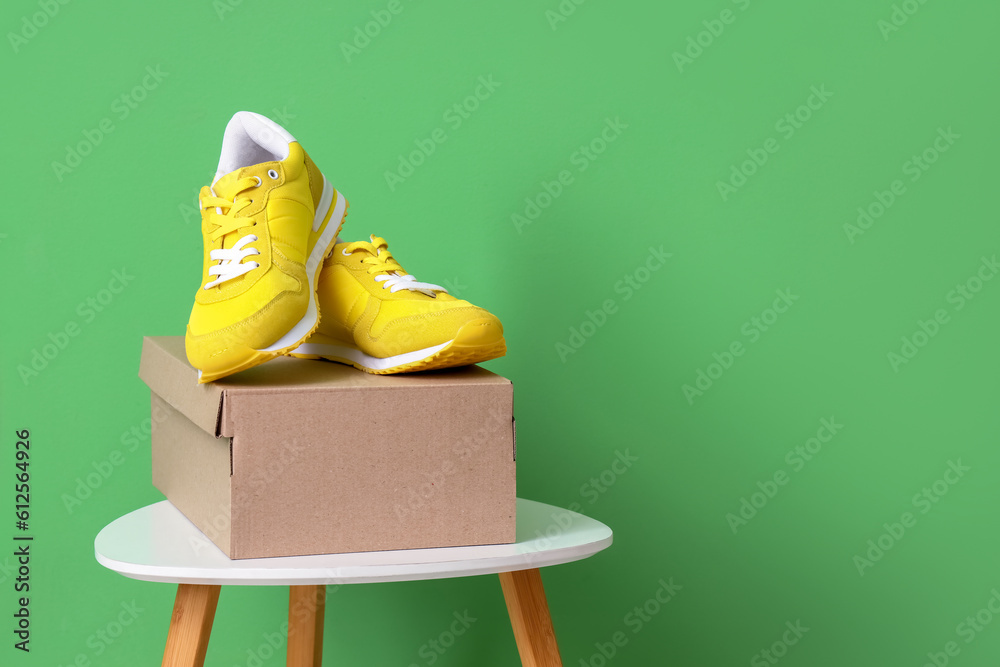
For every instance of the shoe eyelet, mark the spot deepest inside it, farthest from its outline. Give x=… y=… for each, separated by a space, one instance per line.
x=345 y=253
x=258 y=181
x=273 y=174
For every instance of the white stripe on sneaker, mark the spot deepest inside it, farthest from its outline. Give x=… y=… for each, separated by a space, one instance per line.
x=313 y=266
x=324 y=204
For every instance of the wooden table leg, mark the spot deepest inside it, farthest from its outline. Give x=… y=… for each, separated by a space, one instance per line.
x=529 y=616
x=306 y=605
x=190 y=625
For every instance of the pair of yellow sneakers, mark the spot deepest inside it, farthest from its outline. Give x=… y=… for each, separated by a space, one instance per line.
x=277 y=279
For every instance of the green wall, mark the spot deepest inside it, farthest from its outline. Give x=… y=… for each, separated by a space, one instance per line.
x=806 y=392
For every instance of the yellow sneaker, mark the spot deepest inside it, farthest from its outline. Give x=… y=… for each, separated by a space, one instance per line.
x=380 y=319
x=268 y=220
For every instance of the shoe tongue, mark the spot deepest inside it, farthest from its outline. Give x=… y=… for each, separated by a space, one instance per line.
x=226 y=188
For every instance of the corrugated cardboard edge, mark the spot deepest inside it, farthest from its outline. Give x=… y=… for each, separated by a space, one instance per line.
x=178 y=385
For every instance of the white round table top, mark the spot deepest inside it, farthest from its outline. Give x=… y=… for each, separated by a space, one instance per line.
x=157 y=543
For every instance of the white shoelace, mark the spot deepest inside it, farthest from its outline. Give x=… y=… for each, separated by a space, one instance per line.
x=231 y=264
x=406 y=281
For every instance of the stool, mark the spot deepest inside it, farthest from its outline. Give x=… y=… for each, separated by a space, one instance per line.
x=157 y=543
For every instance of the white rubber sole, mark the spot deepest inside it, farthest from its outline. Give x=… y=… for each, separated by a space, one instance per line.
x=356 y=356
x=314 y=265
x=476 y=341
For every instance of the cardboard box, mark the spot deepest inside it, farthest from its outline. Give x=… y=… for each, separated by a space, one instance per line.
x=300 y=457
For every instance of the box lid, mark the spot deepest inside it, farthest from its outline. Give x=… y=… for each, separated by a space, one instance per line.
x=165 y=369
